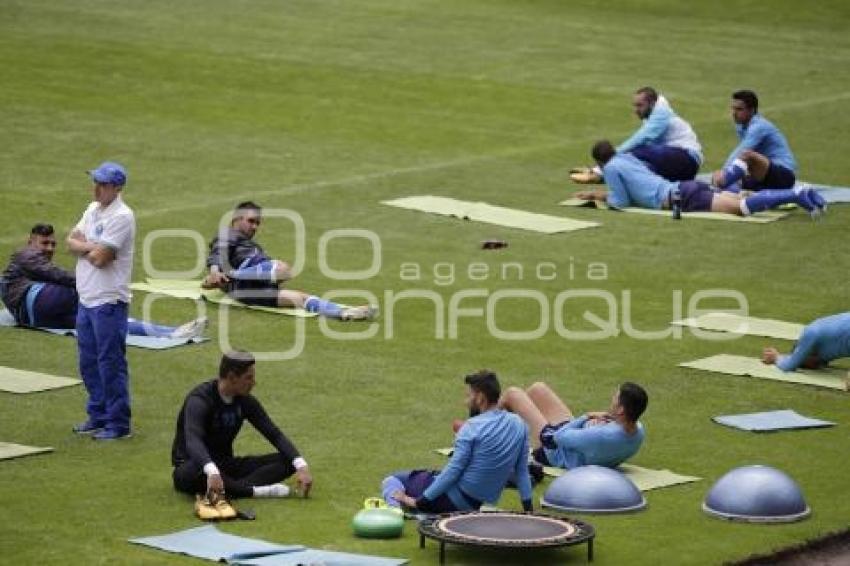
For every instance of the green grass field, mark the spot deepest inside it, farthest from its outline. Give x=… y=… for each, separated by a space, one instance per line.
x=327 y=108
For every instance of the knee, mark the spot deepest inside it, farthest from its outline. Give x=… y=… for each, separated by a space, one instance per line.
x=537 y=387
x=748 y=155
x=282 y=271
x=510 y=393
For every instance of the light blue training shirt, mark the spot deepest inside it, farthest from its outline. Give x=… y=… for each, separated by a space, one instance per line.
x=663 y=126
x=762 y=136
x=828 y=338
x=631 y=183
x=489 y=449
x=602 y=444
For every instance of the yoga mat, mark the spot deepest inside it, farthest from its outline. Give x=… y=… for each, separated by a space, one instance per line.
x=833 y=194
x=771 y=421
x=9 y=450
x=183 y=289
x=209 y=543
x=22 y=381
x=146 y=342
x=644 y=478
x=491 y=214
x=757 y=218
x=833 y=378
x=750 y=325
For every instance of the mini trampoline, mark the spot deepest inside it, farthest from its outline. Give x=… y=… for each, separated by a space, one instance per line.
x=505 y=530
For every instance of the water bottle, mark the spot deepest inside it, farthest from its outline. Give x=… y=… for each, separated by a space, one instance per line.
x=676 y=203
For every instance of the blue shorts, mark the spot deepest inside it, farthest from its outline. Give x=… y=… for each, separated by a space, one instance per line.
x=672 y=163
x=778 y=177
x=696 y=196
x=252 y=283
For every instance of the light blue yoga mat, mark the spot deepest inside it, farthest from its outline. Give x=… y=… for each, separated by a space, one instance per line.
x=146 y=342
x=771 y=421
x=209 y=543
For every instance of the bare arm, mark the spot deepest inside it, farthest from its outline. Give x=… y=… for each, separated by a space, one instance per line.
x=594 y=194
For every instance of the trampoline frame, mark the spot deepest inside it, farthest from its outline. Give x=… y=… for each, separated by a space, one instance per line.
x=584 y=534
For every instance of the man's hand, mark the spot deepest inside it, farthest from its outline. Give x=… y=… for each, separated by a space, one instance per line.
x=215 y=280
x=404 y=499
x=215 y=487
x=717 y=178
x=303 y=481
x=769 y=356
x=591 y=195
x=599 y=417
x=77 y=235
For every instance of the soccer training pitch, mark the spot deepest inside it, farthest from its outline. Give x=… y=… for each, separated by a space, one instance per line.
x=323 y=109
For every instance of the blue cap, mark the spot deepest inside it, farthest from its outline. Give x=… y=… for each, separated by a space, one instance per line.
x=109 y=172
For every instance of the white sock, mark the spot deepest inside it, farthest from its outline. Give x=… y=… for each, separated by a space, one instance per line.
x=743 y=206
x=273 y=490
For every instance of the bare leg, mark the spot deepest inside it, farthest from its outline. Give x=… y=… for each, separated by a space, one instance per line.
x=517 y=401
x=289 y=298
x=757 y=164
x=730 y=203
x=554 y=410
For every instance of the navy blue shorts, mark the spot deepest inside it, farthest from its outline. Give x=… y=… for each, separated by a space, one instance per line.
x=672 y=163
x=778 y=177
x=696 y=196
x=417 y=481
x=255 y=293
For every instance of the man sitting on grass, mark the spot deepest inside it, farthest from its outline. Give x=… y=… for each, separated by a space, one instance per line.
x=239 y=266
x=490 y=449
x=210 y=419
x=39 y=293
x=631 y=183
x=605 y=438
x=822 y=341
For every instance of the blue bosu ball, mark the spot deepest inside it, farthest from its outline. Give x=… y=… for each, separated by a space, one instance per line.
x=593 y=489
x=758 y=494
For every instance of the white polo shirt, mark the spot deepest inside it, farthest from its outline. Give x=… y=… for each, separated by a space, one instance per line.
x=113 y=227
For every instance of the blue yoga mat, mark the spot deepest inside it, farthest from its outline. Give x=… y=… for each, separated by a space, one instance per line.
x=209 y=543
x=146 y=342
x=771 y=421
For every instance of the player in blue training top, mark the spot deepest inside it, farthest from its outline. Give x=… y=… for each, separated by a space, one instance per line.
x=632 y=184
x=665 y=142
x=490 y=449
x=604 y=438
x=822 y=341
x=763 y=159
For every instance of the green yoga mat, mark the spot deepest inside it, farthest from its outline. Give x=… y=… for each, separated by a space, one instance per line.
x=491 y=214
x=833 y=378
x=9 y=450
x=757 y=218
x=644 y=478
x=22 y=381
x=750 y=325
x=191 y=289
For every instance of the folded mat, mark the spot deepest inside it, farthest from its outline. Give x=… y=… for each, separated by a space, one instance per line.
x=644 y=478
x=9 y=450
x=191 y=289
x=491 y=214
x=750 y=325
x=22 y=381
x=833 y=378
x=146 y=342
x=209 y=543
x=771 y=421
x=757 y=218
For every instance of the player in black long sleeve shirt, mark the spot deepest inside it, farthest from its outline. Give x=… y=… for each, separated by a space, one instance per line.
x=209 y=421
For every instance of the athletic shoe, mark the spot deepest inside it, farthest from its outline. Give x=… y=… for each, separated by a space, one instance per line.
x=87 y=427
x=811 y=201
x=585 y=175
x=364 y=313
x=191 y=329
x=111 y=434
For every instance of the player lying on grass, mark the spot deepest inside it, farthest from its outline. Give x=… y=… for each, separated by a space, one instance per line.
x=490 y=449
x=209 y=420
x=822 y=341
x=631 y=183
x=665 y=142
x=762 y=159
x=239 y=266
x=604 y=438
x=38 y=293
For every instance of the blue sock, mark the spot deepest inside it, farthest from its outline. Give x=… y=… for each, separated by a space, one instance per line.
x=141 y=328
x=323 y=307
x=769 y=198
x=734 y=173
